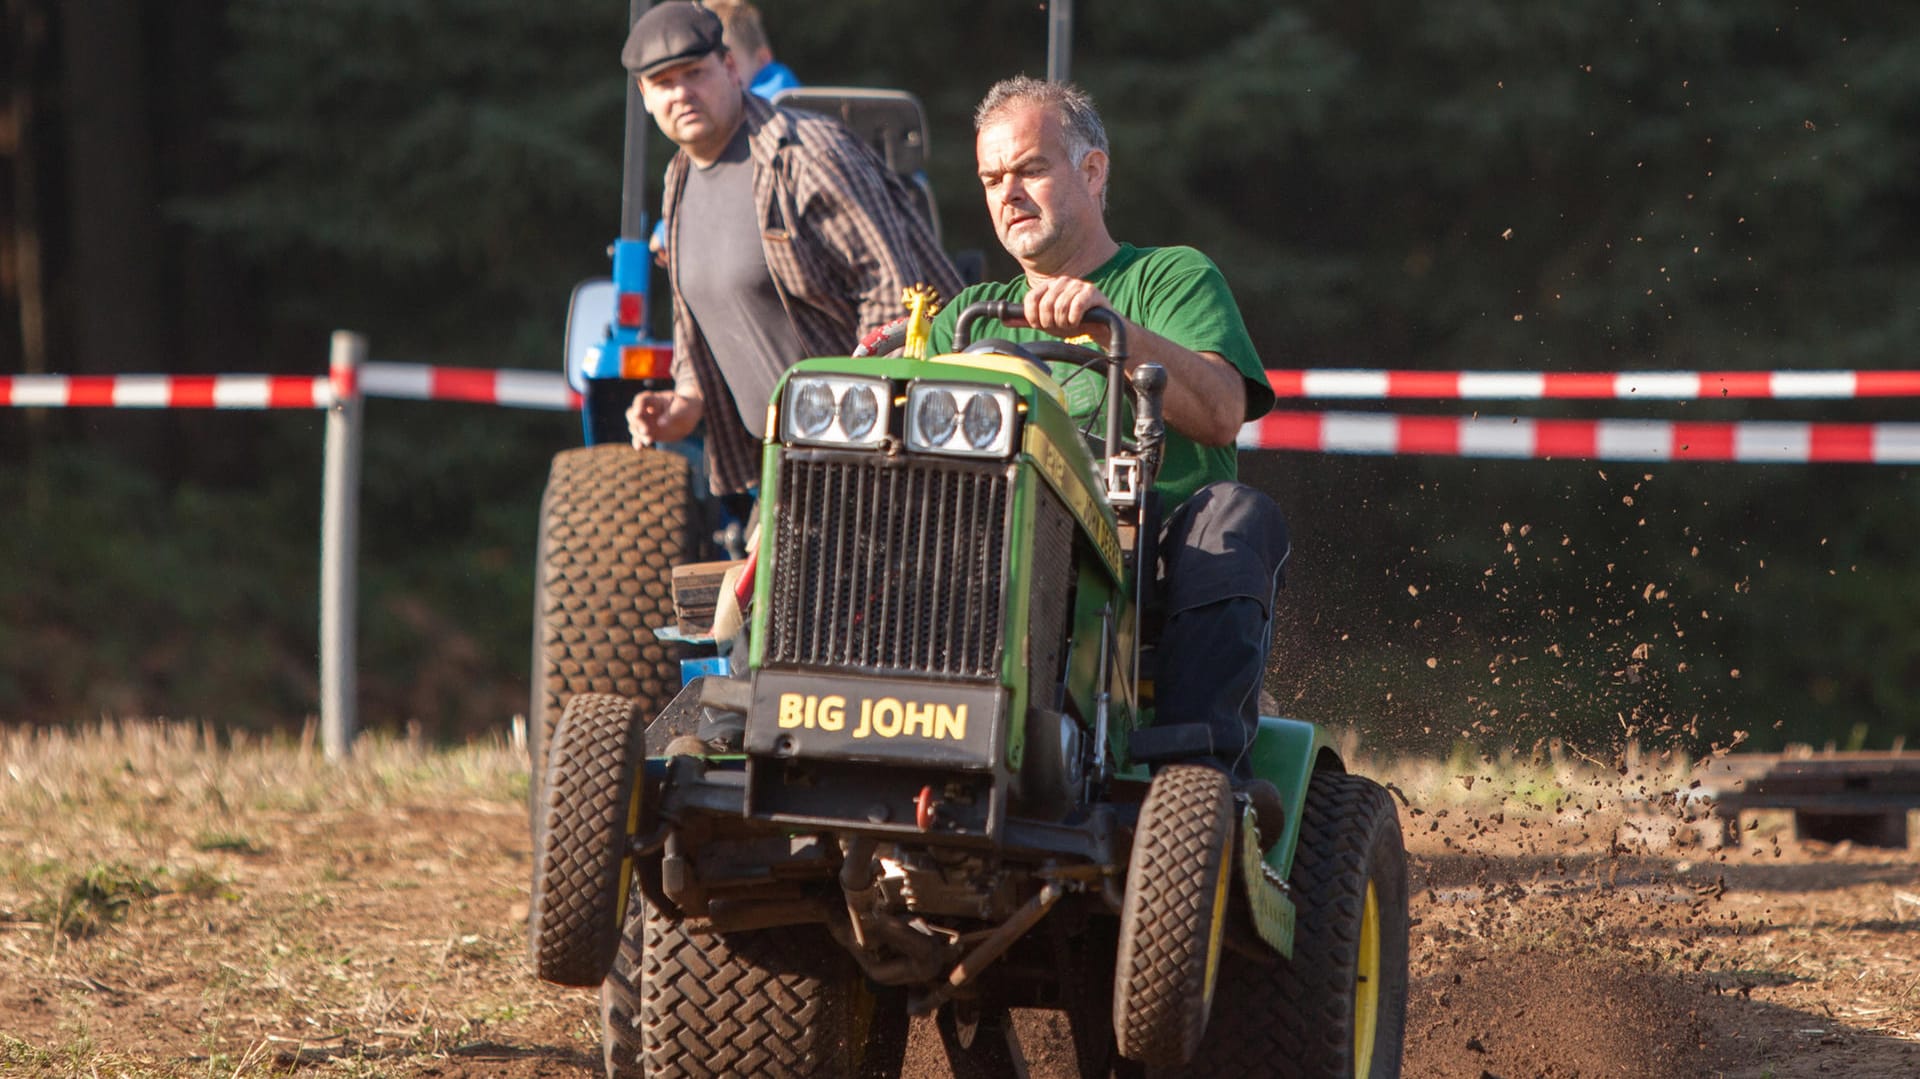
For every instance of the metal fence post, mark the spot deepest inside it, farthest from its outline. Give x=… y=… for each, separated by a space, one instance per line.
x=339 y=547
x=1060 y=40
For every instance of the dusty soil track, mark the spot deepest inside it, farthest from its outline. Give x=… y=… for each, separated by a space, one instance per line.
x=251 y=911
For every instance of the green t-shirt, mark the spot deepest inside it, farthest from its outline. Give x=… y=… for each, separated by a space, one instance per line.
x=1176 y=292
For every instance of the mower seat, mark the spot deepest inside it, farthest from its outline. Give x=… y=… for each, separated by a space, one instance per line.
x=890 y=121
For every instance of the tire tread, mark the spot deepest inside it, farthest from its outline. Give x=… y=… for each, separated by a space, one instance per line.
x=684 y=1002
x=580 y=839
x=613 y=523
x=1295 y=1017
x=1160 y=995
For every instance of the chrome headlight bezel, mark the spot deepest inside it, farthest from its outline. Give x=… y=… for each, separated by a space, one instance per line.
x=834 y=434
x=958 y=442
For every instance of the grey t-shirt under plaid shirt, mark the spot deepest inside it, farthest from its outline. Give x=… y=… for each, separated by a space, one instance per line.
x=729 y=290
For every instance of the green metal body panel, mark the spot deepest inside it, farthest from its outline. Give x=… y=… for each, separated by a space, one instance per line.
x=1286 y=752
x=1273 y=911
x=1092 y=596
x=1018 y=621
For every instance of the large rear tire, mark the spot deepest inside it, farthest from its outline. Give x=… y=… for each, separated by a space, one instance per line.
x=613 y=523
x=685 y=1002
x=1173 y=920
x=1338 y=1008
x=581 y=865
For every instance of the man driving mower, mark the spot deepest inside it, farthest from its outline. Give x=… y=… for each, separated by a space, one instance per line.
x=1045 y=167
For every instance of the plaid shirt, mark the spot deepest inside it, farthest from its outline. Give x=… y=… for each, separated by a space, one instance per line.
x=843 y=239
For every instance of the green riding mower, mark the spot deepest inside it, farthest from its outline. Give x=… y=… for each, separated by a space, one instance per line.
x=909 y=789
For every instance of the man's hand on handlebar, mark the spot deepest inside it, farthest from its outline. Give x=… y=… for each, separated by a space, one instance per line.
x=662 y=416
x=1059 y=306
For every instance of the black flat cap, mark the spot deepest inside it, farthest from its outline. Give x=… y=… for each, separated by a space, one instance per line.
x=671 y=33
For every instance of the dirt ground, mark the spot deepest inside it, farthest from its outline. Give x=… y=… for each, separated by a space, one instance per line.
x=173 y=908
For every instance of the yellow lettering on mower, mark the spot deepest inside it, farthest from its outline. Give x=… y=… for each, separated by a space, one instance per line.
x=885 y=717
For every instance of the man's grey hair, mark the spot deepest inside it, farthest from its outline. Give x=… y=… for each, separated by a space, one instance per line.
x=1078 y=118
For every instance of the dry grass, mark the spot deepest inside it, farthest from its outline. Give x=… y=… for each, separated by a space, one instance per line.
x=247 y=901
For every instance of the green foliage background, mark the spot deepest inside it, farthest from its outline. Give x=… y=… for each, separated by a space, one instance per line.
x=1477 y=184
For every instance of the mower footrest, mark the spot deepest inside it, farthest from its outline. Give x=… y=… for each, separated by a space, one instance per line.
x=1173 y=742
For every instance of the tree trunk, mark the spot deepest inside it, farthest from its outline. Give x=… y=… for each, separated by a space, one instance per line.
x=112 y=289
x=21 y=268
x=107 y=295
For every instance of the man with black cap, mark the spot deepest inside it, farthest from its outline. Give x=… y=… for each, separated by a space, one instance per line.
x=786 y=238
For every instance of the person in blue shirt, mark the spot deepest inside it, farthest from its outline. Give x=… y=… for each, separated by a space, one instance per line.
x=746 y=39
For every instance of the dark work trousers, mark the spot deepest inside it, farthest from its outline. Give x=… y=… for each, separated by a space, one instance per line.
x=1222 y=556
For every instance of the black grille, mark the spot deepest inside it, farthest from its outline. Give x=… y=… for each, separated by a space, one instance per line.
x=889 y=565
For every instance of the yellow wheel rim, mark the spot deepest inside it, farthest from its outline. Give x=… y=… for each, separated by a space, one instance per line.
x=1217 y=930
x=626 y=864
x=1366 y=985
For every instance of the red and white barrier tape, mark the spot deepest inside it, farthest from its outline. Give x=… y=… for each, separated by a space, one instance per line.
x=519 y=389
x=1596 y=440
x=548 y=390
x=1356 y=384
x=165 y=391
x=481 y=385
x=1320 y=432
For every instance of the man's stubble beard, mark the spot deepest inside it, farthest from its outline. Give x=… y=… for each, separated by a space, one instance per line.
x=1031 y=241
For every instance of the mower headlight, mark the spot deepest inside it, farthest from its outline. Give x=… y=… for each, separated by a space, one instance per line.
x=961 y=419
x=933 y=415
x=813 y=409
x=859 y=410
x=835 y=410
x=982 y=420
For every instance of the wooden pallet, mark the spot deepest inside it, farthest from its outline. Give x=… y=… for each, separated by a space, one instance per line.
x=696 y=592
x=1861 y=797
